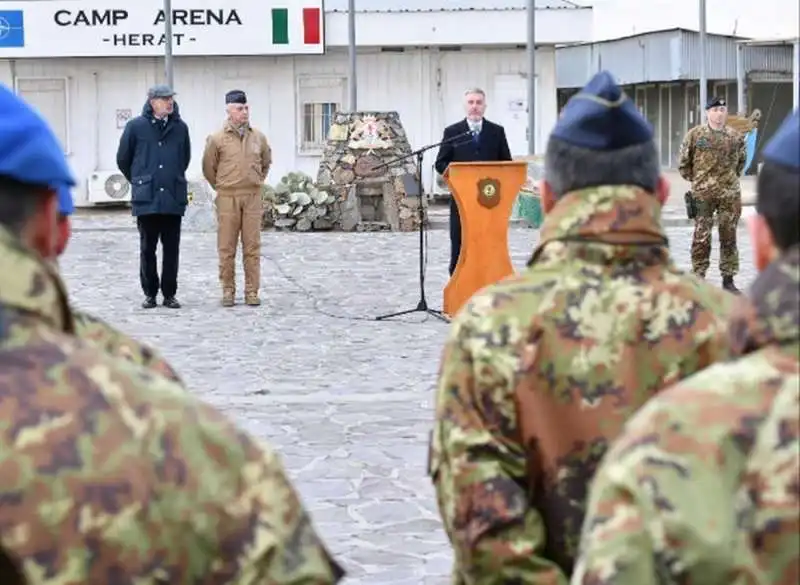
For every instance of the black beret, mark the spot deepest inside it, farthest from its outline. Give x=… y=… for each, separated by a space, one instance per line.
x=716 y=101
x=235 y=96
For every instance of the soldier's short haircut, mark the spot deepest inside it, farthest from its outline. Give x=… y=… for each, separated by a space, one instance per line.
x=19 y=203
x=570 y=168
x=778 y=202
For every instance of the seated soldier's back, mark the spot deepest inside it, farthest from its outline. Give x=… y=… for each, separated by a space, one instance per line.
x=593 y=329
x=111 y=471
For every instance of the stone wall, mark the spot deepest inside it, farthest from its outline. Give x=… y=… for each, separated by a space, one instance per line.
x=367 y=198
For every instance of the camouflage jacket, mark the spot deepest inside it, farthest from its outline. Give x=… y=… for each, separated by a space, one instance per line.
x=111 y=473
x=703 y=485
x=712 y=160
x=118 y=344
x=540 y=372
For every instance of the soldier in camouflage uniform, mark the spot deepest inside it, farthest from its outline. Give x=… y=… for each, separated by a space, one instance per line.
x=95 y=329
x=111 y=474
x=702 y=487
x=712 y=159
x=541 y=371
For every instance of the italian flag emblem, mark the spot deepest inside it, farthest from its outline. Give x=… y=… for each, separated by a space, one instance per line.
x=311 y=29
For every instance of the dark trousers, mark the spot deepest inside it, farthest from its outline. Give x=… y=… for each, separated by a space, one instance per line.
x=455 y=235
x=167 y=230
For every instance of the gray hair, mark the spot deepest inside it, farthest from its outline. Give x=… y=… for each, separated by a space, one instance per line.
x=19 y=203
x=476 y=90
x=570 y=168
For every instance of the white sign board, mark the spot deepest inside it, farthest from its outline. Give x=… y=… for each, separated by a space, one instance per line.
x=125 y=28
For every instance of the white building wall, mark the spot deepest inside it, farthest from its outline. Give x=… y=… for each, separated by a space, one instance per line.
x=424 y=85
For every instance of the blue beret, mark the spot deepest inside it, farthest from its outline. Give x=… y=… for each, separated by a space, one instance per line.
x=29 y=151
x=784 y=147
x=602 y=117
x=66 y=206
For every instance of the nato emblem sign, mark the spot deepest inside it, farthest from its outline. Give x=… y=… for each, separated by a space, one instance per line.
x=12 y=30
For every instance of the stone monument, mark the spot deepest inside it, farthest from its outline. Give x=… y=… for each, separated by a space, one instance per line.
x=201 y=214
x=367 y=198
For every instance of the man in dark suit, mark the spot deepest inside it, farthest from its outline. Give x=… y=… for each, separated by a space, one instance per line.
x=487 y=143
x=154 y=153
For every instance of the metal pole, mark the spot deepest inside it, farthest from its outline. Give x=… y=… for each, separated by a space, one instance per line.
x=351 y=43
x=168 y=68
x=796 y=75
x=531 y=76
x=703 y=59
x=740 y=80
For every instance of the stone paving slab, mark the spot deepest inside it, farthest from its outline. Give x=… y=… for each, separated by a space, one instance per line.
x=348 y=403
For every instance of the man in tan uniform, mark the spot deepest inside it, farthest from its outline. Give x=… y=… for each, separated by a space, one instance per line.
x=235 y=163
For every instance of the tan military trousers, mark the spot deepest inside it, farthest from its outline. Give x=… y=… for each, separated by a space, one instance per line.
x=239 y=214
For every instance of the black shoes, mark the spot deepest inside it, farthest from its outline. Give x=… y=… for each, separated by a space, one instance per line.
x=727 y=284
x=169 y=302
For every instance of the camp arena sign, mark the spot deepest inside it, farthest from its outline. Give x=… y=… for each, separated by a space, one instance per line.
x=111 y=20
x=117 y=28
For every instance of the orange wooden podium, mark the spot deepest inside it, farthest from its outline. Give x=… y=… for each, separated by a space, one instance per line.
x=485 y=193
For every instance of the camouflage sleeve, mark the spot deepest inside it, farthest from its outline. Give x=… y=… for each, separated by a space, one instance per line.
x=120 y=345
x=663 y=506
x=220 y=495
x=283 y=546
x=741 y=153
x=686 y=157
x=478 y=465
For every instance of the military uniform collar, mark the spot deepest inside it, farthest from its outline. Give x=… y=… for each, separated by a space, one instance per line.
x=30 y=285
x=602 y=224
x=771 y=312
x=229 y=127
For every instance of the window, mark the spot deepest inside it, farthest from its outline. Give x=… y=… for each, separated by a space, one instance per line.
x=50 y=97
x=319 y=98
x=317 y=120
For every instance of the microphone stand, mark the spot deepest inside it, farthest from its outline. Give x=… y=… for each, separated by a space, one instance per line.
x=422 y=305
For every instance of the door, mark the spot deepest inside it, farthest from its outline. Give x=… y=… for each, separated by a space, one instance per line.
x=508 y=106
x=720 y=90
x=640 y=99
x=665 y=124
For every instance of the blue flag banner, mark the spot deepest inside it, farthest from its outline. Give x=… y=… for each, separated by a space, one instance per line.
x=750 y=143
x=12 y=30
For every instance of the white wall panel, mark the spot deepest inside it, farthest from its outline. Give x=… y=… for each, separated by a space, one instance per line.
x=424 y=86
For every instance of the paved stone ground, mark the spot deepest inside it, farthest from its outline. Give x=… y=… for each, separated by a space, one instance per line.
x=347 y=403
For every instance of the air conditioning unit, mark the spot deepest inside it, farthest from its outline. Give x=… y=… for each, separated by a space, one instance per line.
x=441 y=190
x=108 y=187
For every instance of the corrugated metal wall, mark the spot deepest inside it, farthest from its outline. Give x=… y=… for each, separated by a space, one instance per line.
x=768 y=59
x=638 y=59
x=665 y=56
x=720 y=61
